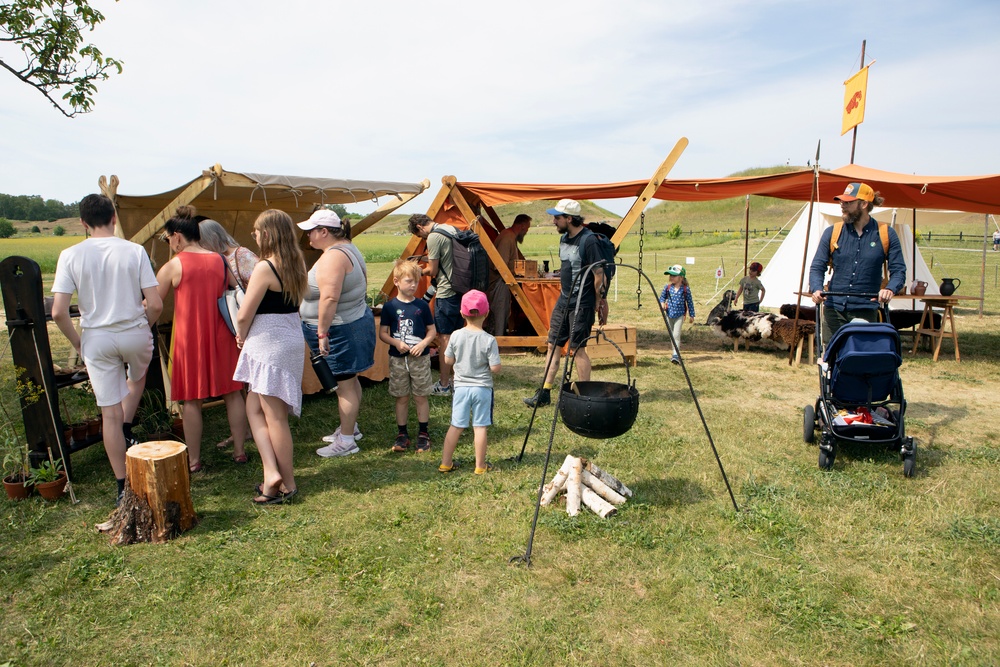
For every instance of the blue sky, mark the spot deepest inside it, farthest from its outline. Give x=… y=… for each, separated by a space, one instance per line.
x=521 y=91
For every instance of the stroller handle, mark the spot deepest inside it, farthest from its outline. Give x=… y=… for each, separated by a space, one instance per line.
x=860 y=295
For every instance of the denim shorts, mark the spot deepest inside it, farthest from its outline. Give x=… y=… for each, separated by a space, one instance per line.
x=352 y=345
x=477 y=400
x=448 y=315
x=751 y=307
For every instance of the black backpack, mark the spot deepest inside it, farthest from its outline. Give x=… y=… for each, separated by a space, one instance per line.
x=470 y=265
x=607 y=250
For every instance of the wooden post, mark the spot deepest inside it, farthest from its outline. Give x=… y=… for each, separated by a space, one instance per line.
x=157 y=504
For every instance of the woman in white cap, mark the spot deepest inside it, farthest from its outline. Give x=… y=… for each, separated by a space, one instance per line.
x=337 y=322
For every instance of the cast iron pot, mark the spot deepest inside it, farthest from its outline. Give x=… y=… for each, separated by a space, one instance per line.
x=598 y=409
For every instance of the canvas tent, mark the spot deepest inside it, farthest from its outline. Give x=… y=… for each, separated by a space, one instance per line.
x=235 y=199
x=782 y=271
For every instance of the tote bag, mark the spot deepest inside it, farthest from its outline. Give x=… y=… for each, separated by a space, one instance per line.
x=229 y=302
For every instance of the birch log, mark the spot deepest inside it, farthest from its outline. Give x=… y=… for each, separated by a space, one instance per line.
x=596 y=504
x=609 y=479
x=602 y=489
x=573 y=488
x=558 y=483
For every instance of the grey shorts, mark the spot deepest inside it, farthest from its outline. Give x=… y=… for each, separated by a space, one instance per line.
x=410 y=376
x=106 y=355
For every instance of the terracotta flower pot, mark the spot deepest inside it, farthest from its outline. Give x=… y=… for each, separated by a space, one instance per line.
x=178 y=427
x=15 y=488
x=94 y=427
x=52 y=490
x=67 y=435
x=79 y=431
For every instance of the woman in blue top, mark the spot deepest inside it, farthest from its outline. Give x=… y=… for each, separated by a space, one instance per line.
x=677 y=300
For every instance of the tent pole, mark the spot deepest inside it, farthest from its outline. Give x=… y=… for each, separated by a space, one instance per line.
x=854 y=137
x=813 y=196
x=982 y=273
x=746 y=239
x=647 y=192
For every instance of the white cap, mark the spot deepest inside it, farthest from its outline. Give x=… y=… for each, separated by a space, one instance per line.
x=324 y=217
x=565 y=207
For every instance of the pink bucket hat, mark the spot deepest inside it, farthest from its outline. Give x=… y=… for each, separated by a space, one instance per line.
x=475 y=304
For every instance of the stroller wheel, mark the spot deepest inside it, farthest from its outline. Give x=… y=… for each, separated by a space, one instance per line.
x=827 y=453
x=809 y=424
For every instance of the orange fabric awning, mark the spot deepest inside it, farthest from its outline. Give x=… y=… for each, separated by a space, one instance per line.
x=973 y=194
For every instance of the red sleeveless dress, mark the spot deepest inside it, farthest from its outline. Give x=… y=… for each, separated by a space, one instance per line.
x=204 y=352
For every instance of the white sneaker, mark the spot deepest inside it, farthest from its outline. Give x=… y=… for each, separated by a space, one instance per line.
x=440 y=390
x=338 y=448
x=333 y=436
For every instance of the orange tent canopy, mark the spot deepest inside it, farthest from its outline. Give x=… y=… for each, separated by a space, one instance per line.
x=973 y=194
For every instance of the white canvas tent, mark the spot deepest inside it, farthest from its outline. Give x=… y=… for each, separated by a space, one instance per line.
x=781 y=273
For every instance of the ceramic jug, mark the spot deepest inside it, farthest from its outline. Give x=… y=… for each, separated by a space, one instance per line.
x=948 y=286
x=918 y=287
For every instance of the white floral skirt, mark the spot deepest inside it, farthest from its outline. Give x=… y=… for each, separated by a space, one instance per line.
x=272 y=358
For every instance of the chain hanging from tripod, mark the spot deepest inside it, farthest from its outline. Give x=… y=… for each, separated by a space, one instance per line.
x=642 y=236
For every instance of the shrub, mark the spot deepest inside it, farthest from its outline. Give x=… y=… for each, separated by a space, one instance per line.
x=58 y=230
x=675 y=232
x=35 y=229
x=6 y=228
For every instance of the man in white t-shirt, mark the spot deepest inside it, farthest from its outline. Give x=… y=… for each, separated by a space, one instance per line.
x=111 y=277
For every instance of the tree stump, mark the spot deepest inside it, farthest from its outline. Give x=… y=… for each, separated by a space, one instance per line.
x=157 y=504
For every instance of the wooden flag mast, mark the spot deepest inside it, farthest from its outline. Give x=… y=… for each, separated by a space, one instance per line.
x=854 y=136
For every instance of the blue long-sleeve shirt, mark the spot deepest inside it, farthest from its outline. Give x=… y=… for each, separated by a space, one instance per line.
x=857 y=265
x=676 y=300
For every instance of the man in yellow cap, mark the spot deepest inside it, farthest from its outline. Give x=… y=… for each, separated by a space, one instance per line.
x=857 y=257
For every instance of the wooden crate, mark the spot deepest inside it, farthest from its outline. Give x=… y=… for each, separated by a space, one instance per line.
x=623 y=336
x=526 y=268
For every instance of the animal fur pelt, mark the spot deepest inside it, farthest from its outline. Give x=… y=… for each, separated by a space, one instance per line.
x=722 y=307
x=762 y=326
x=747 y=326
x=782 y=331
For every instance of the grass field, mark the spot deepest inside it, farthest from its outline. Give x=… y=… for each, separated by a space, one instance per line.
x=384 y=561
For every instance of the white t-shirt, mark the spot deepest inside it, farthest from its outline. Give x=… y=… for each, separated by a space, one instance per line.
x=108 y=274
x=474 y=352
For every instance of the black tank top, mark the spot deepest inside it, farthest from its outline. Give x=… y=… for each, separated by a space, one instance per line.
x=275 y=302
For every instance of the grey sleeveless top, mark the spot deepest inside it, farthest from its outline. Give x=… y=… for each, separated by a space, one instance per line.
x=353 y=293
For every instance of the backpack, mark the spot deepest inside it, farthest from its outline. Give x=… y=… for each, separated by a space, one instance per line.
x=470 y=265
x=883 y=234
x=608 y=252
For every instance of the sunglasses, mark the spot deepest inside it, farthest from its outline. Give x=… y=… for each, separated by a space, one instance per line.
x=165 y=237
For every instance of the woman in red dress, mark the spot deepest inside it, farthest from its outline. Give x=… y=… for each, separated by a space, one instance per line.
x=204 y=352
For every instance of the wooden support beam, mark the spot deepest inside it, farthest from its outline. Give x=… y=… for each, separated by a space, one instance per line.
x=647 y=192
x=187 y=195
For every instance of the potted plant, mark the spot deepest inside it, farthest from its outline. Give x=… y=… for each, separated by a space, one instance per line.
x=152 y=419
x=15 y=465
x=49 y=478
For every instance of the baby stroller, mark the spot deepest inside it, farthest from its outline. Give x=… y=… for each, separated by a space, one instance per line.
x=861 y=395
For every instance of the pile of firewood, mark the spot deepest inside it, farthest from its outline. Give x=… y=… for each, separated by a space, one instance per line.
x=584 y=483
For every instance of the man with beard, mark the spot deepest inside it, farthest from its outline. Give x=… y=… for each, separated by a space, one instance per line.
x=578 y=249
x=506 y=243
x=857 y=259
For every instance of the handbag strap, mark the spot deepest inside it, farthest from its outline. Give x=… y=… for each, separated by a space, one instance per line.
x=230 y=270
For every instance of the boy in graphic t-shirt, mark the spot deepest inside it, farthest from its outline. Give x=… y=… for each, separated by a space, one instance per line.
x=752 y=289
x=407 y=327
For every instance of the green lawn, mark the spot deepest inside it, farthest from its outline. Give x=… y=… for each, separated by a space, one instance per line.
x=385 y=561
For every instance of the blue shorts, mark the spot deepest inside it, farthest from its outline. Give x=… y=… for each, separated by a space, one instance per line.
x=751 y=307
x=352 y=345
x=477 y=400
x=448 y=315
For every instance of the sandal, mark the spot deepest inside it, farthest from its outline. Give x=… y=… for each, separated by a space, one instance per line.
x=483 y=471
x=444 y=468
x=196 y=467
x=241 y=459
x=264 y=499
x=224 y=444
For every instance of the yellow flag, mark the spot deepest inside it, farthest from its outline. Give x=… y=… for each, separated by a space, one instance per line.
x=855 y=94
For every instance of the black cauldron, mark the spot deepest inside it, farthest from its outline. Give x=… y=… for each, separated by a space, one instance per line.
x=598 y=409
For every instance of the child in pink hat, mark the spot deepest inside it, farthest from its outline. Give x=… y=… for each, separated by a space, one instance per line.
x=475 y=356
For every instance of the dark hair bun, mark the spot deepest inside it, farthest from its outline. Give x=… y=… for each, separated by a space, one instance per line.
x=186 y=212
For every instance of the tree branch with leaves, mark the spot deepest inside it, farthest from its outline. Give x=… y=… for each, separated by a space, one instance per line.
x=57 y=62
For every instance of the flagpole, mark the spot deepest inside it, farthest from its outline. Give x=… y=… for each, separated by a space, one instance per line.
x=854 y=137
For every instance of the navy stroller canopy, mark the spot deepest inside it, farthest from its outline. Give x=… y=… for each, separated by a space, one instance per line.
x=864 y=359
